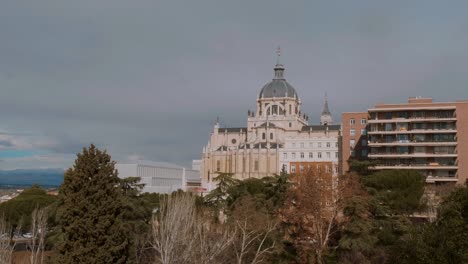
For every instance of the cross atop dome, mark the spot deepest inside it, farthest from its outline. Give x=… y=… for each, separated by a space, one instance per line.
x=278 y=55
x=279 y=68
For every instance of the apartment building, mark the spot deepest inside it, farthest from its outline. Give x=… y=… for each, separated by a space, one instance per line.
x=354 y=138
x=421 y=135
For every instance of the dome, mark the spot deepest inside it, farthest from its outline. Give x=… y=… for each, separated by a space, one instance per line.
x=278 y=87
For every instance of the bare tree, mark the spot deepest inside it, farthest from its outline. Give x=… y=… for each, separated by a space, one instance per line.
x=252 y=242
x=6 y=248
x=180 y=234
x=311 y=209
x=38 y=233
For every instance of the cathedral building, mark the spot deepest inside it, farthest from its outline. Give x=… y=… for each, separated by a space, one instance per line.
x=277 y=137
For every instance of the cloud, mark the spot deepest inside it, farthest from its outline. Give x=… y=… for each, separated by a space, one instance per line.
x=5 y=143
x=149 y=77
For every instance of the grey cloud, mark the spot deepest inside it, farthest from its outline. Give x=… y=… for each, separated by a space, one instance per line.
x=149 y=77
x=6 y=143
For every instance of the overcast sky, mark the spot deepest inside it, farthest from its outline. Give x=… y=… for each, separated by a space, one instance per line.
x=145 y=79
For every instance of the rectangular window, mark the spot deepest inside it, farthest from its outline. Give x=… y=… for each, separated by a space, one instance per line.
x=388 y=127
x=352 y=153
x=336 y=154
x=302 y=145
x=311 y=155
x=336 y=144
x=319 y=145
x=293 y=145
x=311 y=145
x=328 y=144
x=328 y=155
x=352 y=132
x=285 y=155
x=319 y=168
x=218 y=165
x=352 y=142
x=328 y=169
x=364 y=142
x=363 y=152
x=363 y=132
x=256 y=165
x=301 y=168
x=352 y=121
x=302 y=155
x=319 y=155
x=363 y=121
x=293 y=168
x=293 y=155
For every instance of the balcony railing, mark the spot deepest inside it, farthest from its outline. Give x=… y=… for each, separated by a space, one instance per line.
x=415 y=167
x=413 y=153
x=412 y=131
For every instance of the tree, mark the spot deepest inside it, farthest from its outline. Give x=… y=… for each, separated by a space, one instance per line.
x=181 y=234
x=91 y=213
x=256 y=237
x=398 y=192
x=6 y=249
x=137 y=215
x=361 y=167
x=310 y=211
x=18 y=210
x=38 y=232
x=443 y=241
x=218 y=197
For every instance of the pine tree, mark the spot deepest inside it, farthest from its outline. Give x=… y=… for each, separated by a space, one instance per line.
x=91 y=213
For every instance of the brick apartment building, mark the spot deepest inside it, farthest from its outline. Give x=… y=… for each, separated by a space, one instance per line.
x=421 y=135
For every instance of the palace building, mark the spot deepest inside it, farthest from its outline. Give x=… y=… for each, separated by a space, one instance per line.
x=276 y=137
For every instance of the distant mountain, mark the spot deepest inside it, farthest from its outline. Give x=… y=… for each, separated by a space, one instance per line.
x=45 y=177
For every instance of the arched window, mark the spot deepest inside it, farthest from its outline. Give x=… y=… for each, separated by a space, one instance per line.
x=268 y=111
x=263 y=135
x=271 y=135
x=289 y=109
x=274 y=110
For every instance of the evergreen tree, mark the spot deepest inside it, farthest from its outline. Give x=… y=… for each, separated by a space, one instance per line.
x=443 y=241
x=91 y=213
x=219 y=195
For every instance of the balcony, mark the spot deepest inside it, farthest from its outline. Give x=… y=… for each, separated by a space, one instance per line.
x=415 y=167
x=433 y=179
x=413 y=131
x=411 y=155
x=411 y=143
x=412 y=120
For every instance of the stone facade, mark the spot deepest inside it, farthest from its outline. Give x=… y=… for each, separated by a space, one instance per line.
x=254 y=151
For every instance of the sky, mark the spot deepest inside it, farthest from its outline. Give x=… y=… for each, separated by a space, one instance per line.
x=146 y=79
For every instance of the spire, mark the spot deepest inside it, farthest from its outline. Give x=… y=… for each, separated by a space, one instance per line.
x=326 y=118
x=279 y=68
x=325 y=110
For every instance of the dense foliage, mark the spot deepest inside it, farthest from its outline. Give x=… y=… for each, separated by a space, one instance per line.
x=17 y=211
x=100 y=218
x=443 y=241
x=92 y=213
